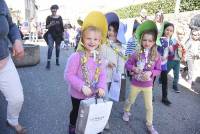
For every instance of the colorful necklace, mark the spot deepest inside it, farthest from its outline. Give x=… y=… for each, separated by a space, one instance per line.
x=85 y=71
x=117 y=51
x=149 y=62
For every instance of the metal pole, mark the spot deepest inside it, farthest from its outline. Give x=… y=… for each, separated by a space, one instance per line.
x=177 y=7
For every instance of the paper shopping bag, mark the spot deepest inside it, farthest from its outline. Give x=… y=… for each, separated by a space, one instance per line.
x=92 y=116
x=115 y=87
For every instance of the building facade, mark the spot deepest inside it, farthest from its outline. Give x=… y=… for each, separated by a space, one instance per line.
x=24 y=11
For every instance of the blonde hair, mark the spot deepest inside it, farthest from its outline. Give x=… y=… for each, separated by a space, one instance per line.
x=180 y=29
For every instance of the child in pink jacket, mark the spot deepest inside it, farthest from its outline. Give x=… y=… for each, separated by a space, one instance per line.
x=85 y=72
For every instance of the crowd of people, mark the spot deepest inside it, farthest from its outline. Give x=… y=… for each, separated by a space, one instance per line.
x=155 y=48
x=150 y=54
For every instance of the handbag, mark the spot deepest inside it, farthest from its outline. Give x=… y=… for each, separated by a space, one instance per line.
x=115 y=87
x=45 y=36
x=93 y=115
x=117 y=90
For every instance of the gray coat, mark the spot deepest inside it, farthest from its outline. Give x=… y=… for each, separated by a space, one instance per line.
x=8 y=30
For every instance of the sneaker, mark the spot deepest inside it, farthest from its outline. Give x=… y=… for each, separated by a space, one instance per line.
x=166 y=102
x=151 y=130
x=18 y=128
x=176 y=89
x=126 y=116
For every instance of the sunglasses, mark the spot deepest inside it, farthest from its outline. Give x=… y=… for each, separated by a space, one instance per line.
x=53 y=10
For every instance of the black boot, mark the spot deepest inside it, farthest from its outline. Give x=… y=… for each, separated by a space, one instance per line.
x=48 y=64
x=71 y=129
x=166 y=101
x=57 y=62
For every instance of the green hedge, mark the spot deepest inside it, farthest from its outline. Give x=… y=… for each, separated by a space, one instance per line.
x=168 y=6
x=189 y=5
x=132 y=11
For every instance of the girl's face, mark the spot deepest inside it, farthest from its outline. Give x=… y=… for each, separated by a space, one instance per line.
x=112 y=35
x=148 y=41
x=91 y=39
x=195 y=35
x=169 y=31
x=158 y=17
x=180 y=35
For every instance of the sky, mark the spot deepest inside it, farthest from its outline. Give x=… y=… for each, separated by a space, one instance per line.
x=71 y=11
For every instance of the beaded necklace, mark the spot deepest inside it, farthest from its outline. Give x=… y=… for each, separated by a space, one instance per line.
x=90 y=83
x=149 y=62
x=118 y=52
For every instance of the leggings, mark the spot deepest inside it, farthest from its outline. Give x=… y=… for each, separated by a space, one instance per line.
x=74 y=112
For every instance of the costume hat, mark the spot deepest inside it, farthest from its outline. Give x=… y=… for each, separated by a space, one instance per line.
x=122 y=28
x=145 y=26
x=98 y=20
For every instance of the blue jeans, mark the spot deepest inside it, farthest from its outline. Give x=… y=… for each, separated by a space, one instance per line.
x=51 y=41
x=175 y=65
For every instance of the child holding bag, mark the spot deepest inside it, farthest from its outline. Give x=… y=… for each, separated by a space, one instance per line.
x=144 y=65
x=85 y=72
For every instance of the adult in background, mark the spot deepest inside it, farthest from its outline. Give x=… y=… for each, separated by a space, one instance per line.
x=10 y=84
x=192 y=46
x=54 y=24
x=159 y=19
x=33 y=35
x=143 y=16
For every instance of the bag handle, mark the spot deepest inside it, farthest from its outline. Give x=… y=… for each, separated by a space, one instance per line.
x=97 y=97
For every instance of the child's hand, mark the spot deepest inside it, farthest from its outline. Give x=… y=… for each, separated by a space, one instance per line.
x=101 y=92
x=137 y=70
x=171 y=49
x=183 y=61
x=146 y=75
x=111 y=65
x=163 y=58
x=86 y=91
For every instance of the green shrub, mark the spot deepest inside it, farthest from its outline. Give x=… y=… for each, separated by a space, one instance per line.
x=189 y=5
x=168 y=6
x=132 y=11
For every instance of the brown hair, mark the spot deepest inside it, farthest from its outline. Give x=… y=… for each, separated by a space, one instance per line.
x=153 y=50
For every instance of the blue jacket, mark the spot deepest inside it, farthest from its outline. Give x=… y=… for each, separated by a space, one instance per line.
x=8 y=30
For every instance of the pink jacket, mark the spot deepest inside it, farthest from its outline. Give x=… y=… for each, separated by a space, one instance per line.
x=155 y=69
x=73 y=75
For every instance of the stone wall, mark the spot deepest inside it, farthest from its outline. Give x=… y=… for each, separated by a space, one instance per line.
x=31 y=56
x=181 y=19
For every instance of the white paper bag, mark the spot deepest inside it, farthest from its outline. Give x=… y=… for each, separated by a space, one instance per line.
x=92 y=117
x=115 y=87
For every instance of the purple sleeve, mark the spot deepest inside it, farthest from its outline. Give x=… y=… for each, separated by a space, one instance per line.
x=130 y=63
x=157 y=68
x=70 y=74
x=102 y=79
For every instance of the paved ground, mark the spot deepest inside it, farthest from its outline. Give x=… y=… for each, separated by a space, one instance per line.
x=47 y=105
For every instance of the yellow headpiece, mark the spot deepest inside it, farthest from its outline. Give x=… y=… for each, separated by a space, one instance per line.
x=96 y=19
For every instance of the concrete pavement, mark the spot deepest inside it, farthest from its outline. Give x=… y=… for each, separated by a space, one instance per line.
x=47 y=105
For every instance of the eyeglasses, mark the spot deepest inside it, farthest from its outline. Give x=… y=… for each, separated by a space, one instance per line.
x=180 y=33
x=195 y=34
x=53 y=10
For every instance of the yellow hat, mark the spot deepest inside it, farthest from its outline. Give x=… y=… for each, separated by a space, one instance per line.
x=96 y=19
